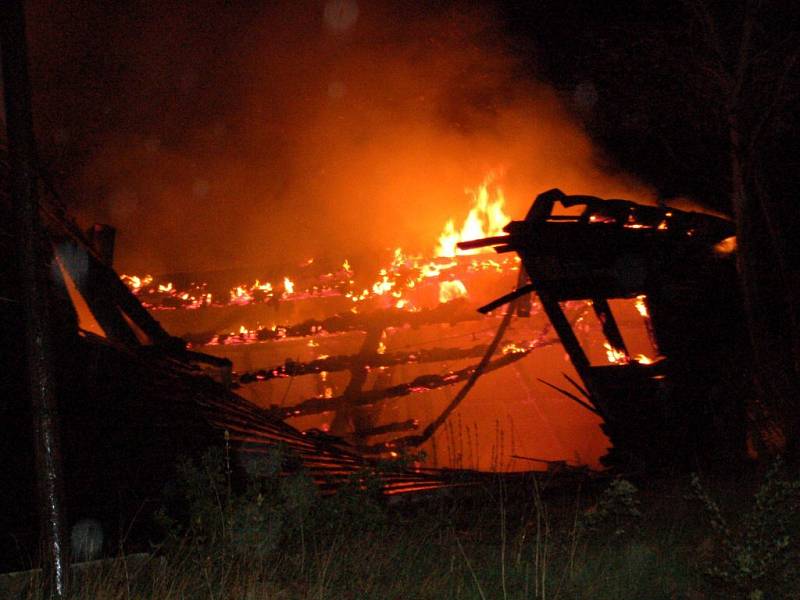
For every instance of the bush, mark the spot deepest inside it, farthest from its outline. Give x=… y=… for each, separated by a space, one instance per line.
x=272 y=509
x=755 y=553
x=616 y=512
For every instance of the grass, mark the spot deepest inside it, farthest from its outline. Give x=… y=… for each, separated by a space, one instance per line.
x=608 y=540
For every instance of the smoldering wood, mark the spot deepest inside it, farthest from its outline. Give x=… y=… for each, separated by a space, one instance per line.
x=455 y=311
x=331 y=364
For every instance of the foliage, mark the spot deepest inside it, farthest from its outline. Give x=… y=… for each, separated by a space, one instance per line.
x=274 y=508
x=617 y=510
x=753 y=553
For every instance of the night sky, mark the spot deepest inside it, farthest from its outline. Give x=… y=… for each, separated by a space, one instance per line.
x=219 y=134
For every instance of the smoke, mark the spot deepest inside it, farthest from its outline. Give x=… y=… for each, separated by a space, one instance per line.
x=228 y=135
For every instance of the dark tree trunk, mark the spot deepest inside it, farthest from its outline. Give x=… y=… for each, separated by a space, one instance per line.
x=34 y=294
x=769 y=308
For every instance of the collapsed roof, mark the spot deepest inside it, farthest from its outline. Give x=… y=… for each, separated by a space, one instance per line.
x=680 y=268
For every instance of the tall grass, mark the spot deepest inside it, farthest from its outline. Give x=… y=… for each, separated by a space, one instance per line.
x=278 y=539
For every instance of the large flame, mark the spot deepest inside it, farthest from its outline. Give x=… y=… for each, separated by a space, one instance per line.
x=486 y=218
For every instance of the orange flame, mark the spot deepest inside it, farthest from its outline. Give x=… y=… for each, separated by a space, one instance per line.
x=486 y=218
x=615 y=355
x=450 y=290
x=642 y=307
x=288 y=285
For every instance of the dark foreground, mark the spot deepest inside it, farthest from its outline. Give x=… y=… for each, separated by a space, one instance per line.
x=705 y=536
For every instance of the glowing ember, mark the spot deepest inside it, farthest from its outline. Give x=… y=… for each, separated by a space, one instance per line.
x=726 y=246
x=486 y=218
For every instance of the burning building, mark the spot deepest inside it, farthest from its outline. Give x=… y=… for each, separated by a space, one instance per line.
x=345 y=357
x=634 y=308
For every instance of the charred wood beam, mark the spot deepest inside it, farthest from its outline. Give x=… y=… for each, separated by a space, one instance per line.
x=423 y=383
x=409 y=425
x=510 y=297
x=347 y=415
x=482 y=367
x=455 y=311
x=609 y=324
x=571 y=344
x=343 y=362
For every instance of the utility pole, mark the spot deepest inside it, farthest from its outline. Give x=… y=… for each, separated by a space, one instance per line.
x=34 y=295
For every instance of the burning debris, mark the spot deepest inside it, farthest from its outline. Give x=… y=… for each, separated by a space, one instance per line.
x=411 y=334
x=630 y=290
x=669 y=265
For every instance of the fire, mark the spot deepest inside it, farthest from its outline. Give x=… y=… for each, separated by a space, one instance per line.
x=450 y=290
x=288 y=285
x=135 y=283
x=615 y=355
x=618 y=357
x=486 y=218
x=384 y=285
x=240 y=295
x=642 y=307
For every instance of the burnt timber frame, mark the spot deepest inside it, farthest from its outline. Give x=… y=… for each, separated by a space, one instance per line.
x=655 y=414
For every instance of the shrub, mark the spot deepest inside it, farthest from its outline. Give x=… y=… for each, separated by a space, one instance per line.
x=755 y=553
x=617 y=510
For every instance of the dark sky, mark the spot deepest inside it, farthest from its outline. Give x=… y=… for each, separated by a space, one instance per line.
x=217 y=134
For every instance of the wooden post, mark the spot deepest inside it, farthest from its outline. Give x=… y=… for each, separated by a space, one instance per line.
x=34 y=293
x=102 y=238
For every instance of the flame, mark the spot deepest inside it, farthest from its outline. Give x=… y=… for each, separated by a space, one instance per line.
x=264 y=287
x=288 y=285
x=450 y=290
x=383 y=286
x=136 y=283
x=486 y=218
x=642 y=307
x=240 y=295
x=615 y=355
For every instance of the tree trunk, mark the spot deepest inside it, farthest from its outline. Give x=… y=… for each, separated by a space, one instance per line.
x=769 y=321
x=34 y=294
